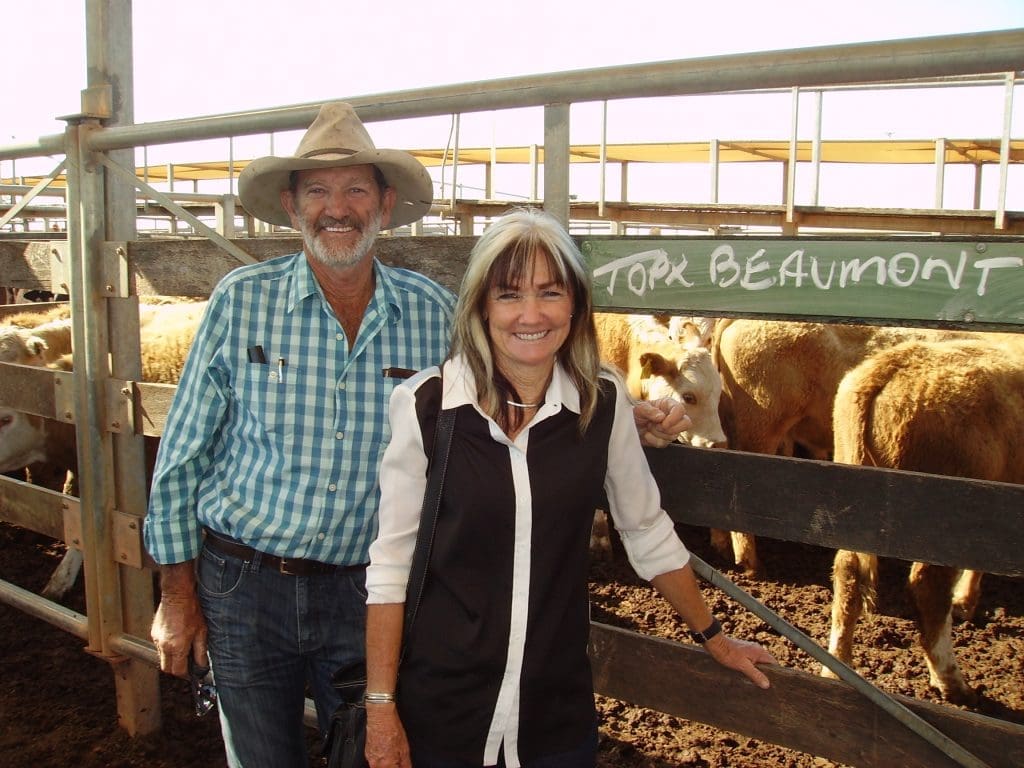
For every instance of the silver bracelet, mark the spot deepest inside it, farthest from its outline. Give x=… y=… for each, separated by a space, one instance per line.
x=378 y=698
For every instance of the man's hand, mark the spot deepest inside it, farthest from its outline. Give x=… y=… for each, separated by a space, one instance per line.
x=178 y=625
x=659 y=422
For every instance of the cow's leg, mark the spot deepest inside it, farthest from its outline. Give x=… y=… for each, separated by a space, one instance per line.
x=854 y=579
x=932 y=589
x=741 y=548
x=64 y=575
x=722 y=543
x=966 y=594
x=744 y=546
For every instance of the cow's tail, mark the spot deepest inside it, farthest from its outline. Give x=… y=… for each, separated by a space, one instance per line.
x=853 y=414
x=853 y=420
x=716 y=338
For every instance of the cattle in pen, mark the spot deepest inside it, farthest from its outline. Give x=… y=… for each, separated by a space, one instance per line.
x=779 y=381
x=45 y=450
x=657 y=363
x=36 y=337
x=955 y=408
x=660 y=356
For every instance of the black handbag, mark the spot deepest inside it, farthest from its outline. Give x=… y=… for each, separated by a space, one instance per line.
x=345 y=743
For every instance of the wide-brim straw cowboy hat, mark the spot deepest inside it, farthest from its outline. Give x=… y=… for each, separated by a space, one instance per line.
x=336 y=138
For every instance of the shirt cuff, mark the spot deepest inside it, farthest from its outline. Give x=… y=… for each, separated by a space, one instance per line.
x=655 y=550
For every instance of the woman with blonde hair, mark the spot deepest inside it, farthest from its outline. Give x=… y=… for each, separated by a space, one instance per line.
x=495 y=669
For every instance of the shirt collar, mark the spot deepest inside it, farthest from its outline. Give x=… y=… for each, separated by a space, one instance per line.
x=304 y=284
x=460 y=388
x=385 y=294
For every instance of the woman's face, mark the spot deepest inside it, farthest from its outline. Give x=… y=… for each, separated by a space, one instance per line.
x=529 y=323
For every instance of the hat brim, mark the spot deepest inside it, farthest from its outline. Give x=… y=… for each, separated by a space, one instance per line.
x=261 y=182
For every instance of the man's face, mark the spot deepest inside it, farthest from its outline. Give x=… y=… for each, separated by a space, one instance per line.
x=339 y=212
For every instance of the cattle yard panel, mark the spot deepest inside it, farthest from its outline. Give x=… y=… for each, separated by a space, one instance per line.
x=813 y=502
x=105 y=272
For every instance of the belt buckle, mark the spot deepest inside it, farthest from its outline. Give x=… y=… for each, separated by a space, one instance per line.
x=284 y=566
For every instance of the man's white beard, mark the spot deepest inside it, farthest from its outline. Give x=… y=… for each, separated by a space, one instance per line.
x=339 y=255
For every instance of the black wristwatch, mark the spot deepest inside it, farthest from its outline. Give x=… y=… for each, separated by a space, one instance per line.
x=707 y=634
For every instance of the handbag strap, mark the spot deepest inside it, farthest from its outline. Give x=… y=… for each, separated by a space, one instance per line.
x=428 y=514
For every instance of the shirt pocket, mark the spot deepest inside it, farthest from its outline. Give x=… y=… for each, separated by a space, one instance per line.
x=274 y=398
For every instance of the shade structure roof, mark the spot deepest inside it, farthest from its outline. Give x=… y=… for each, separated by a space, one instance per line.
x=864 y=151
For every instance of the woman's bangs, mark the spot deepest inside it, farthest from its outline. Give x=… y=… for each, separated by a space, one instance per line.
x=515 y=266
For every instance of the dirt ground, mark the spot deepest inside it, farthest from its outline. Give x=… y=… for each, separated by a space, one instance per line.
x=57 y=703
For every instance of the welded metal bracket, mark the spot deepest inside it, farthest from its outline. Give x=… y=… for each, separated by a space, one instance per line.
x=114 y=267
x=64 y=396
x=98 y=101
x=60 y=267
x=71 y=509
x=127 y=538
x=126 y=532
x=120 y=406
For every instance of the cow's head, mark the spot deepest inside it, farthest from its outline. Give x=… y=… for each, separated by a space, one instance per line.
x=22 y=439
x=690 y=376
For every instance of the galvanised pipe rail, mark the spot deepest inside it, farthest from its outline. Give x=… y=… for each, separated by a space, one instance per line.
x=53 y=613
x=880 y=698
x=980 y=53
x=44 y=145
x=874 y=62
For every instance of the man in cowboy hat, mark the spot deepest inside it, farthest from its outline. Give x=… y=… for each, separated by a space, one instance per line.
x=273 y=442
x=264 y=498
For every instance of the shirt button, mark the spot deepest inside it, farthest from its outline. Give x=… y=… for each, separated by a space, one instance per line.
x=339 y=336
x=332 y=487
x=339 y=435
x=341 y=385
x=321 y=536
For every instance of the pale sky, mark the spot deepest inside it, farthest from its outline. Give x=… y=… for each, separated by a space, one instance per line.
x=195 y=57
x=198 y=57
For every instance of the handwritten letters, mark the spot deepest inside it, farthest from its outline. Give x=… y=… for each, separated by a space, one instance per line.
x=945 y=274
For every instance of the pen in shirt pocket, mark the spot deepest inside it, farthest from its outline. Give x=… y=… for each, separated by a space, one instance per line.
x=393 y=372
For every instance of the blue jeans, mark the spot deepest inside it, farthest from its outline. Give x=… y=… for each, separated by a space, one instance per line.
x=270 y=635
x=583 y=756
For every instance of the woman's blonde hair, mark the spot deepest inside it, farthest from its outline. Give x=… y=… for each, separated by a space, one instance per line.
x=505 y=255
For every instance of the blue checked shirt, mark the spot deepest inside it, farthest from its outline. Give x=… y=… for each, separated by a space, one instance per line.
x=283 y=455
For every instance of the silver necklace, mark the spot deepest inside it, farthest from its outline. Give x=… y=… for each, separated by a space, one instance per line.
x=514 y=404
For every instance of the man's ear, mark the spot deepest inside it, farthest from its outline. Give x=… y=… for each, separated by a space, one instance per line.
x=288 y=203
x=387 y=205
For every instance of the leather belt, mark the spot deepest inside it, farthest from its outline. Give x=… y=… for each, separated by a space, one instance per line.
x=291 y=566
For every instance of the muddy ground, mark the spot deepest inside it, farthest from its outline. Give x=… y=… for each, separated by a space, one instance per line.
x=57 y=703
